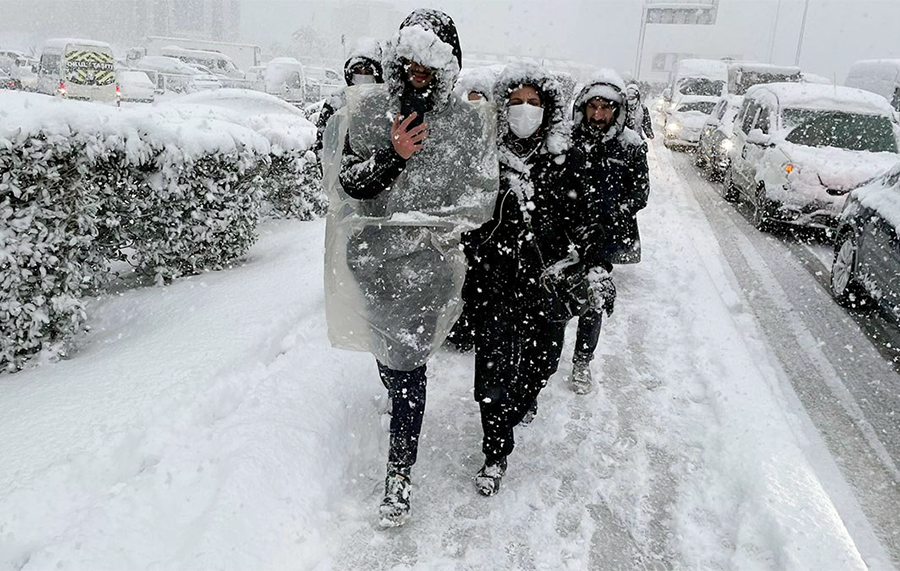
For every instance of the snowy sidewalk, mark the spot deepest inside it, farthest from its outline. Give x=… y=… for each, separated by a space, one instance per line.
x=209 y=425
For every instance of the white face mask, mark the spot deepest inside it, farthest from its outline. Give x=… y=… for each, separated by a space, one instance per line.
x=358 y=79
x=525 y=119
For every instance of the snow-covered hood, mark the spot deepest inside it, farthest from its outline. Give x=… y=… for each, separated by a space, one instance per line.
x=608 y=84
x=480 y=79
x=831 y=168
x=427 y=37
x=366 y=51
x=556 y=127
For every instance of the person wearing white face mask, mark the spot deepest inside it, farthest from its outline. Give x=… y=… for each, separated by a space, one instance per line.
x=363 y=66
x=522 y=261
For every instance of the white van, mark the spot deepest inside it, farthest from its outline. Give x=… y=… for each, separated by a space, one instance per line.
x=77 y=69
x=881 y=76
x=285 y=78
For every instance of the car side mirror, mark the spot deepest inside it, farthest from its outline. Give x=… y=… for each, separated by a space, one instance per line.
x=757 y=137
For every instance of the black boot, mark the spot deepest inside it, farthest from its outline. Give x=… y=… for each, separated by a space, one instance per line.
x=487 y=480
x=394 y=509
x=529 y=414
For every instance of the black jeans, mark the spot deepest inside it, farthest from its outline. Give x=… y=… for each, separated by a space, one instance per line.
x=516 y=351
x=407 y=392
x=588 y=336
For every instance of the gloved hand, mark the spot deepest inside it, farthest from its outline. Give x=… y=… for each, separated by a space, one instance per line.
x=602 y=290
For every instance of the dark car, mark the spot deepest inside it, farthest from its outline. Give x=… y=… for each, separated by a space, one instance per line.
x=867 y=249
x=713 y=152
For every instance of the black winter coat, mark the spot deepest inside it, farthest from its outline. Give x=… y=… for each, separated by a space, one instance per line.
x=509 y=254
x=614 y=178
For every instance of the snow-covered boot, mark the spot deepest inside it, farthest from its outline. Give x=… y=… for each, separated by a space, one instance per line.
x=581 y=382
x=530 y=414
x=394 y=509
x=487 y=480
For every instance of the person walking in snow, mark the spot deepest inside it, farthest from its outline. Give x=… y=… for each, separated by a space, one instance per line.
x=409 y=167
x=638 y=117
x=362 y=66
x=531 y=262
x=609 y=166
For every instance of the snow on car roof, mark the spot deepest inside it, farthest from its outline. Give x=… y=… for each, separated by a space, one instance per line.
x=61 y=43
x=708 y=68
x=822 y=97
x=764 y=67
x=197 y=53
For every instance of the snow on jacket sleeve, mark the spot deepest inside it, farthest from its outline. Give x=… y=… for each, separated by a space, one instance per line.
x=648 y=123
x=364 y=178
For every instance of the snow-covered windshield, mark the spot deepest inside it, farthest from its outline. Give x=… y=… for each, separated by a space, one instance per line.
x=851 y=131
x=705 y=107
x=701 y=86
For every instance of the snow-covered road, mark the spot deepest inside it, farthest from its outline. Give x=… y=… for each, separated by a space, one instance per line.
x=209 y=425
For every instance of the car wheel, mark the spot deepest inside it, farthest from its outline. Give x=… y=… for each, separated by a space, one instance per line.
x=700 y=160
x=729 y=190
x=844 y=287
x=760 y=207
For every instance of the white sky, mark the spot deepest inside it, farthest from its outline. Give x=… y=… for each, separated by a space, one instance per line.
x=605 y=32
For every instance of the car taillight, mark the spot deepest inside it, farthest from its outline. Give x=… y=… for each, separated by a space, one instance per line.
x=118 y=91
x=62 y=88
x=788 y=168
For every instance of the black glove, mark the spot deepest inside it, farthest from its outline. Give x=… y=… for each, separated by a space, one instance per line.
x=601 y=290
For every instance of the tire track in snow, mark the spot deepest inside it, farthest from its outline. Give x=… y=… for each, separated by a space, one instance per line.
x=828 y=374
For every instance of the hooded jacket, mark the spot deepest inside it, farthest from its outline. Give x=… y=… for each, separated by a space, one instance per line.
x=638 y=118
x=365 y=51
x=610 y=168
x=394 y=271
x=537 y=223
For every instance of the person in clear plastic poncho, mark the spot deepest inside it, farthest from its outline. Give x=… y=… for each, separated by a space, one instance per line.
x=408 y=168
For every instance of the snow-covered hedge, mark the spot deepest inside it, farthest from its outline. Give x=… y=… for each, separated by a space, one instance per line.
x=292 y=186
x=81 y=184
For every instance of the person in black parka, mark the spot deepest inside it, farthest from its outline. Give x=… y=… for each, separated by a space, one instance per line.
x=362 y=66
x=608 y=162
x=525 y=261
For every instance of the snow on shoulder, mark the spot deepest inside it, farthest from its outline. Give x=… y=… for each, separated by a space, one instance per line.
x=822 y=97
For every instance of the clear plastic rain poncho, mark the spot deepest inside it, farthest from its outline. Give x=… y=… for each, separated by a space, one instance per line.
x=393 y=267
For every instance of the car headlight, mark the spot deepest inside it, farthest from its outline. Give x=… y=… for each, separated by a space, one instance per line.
x=673 y=127
x=726 y=145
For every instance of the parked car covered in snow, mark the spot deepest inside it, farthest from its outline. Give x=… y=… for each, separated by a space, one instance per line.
x=867 y=249
x=714 y=148
x=799 y=148
x=7 y=82
x=697 y=85
x=175 y=75
x=881 y=76
x=744 y=75
x=322 y=82
x=286 y=79
x=136 y=86
x=280 y=122
x=685 y=119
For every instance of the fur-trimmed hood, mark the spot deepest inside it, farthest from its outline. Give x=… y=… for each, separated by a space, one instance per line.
x=480 y=79
x=366 y=51
x=608 y=84
x=428 y=37
x=556 y=127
